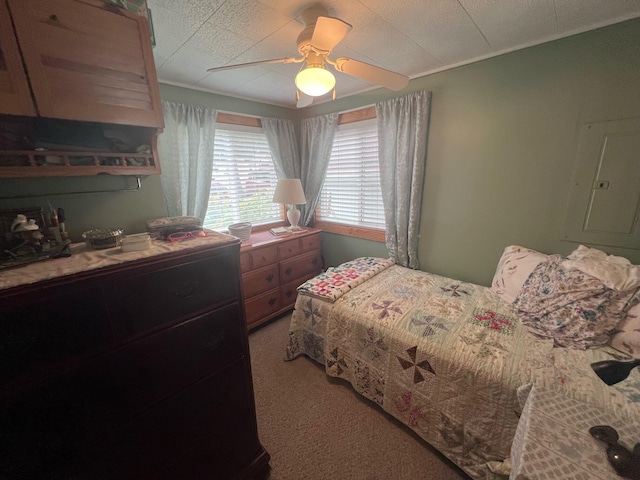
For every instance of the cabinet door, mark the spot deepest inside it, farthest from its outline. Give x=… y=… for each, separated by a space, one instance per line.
x=15 y=98
x=88 y=61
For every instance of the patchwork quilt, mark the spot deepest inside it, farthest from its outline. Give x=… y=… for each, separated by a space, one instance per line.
x=446 y=358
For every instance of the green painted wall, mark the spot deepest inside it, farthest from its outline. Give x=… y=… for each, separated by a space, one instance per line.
x=503 y=144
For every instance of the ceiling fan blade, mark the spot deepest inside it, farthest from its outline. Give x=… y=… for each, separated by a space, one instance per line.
x=371 y=73
x=328 y=32
x=259 y=62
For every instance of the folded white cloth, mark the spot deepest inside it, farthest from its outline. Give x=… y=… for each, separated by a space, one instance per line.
x=616 y=273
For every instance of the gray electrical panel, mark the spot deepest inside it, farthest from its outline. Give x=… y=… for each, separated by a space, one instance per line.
x=604 y=199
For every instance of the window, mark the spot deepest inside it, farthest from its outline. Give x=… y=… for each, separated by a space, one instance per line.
x=242 y=180
x=351 y=193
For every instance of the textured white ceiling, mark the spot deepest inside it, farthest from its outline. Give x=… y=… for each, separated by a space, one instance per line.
x=412 y=37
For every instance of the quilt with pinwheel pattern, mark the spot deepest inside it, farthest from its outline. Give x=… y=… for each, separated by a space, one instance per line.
x=448 y=359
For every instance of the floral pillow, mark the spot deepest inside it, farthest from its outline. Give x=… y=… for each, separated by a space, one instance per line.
x=569 y=306
x=626 y=337
x=514 y=267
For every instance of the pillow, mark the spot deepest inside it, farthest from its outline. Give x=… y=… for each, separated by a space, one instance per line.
x=616 y=273
x=568 y=306
x=626 y=337
x=514 y=267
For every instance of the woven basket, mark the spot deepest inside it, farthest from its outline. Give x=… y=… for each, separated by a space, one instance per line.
x=240 y=230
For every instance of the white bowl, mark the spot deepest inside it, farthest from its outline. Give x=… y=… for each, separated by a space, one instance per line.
x=240 y=230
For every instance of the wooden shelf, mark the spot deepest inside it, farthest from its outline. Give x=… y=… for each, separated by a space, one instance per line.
x=31 y=163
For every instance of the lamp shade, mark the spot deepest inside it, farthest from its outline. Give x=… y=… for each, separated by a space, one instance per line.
x=289 y=191
x=315 y=81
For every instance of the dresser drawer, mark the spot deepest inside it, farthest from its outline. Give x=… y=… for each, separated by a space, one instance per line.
x=147 y=300
x=148 y=370
x=310 y=243
x=260 y=280
x=290 y=249
x=263 y=256
x=217 y=407
x=306 y=264
x=262 y=305
x=289 y=291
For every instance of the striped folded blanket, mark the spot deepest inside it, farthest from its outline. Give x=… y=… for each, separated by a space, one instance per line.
x=337 y=281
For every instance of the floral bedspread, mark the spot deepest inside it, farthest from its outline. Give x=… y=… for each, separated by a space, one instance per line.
x=446 y=358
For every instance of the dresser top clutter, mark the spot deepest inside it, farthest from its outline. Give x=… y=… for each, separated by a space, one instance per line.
x=78 y=90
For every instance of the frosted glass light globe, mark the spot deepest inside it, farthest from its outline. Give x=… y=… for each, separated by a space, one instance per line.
x=315 y=81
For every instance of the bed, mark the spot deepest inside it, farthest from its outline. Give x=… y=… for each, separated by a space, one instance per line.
x=454 y=361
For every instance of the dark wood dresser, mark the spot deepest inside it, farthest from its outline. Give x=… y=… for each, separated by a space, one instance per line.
x=273 y=268
x=136 y=370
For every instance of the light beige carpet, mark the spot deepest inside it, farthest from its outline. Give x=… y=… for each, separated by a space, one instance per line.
x=316 y=427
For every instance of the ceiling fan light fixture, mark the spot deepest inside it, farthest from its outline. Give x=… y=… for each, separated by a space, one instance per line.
x=315 y=80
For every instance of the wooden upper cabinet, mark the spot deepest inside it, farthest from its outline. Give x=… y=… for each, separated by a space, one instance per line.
x=15 y=98
x=87 y=61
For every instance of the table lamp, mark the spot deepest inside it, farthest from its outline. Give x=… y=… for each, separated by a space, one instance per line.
x=289 y=192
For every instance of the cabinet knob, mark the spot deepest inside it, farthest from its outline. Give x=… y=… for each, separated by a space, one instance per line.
x=269 y=278
x=288 y=271
x=272 y=301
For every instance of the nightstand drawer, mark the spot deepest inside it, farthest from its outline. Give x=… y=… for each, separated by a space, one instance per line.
x=306 y=264
x=264 y=256
x=290 y=249
x=262 y=305
x=260 y=280
x=147 y=300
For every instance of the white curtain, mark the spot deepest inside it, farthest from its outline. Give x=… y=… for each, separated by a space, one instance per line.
x=281 y=137
x=315 y=151
x=403 y=128
x=186 y=153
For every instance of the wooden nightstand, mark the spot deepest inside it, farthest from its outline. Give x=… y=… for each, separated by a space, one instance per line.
x=273 y=267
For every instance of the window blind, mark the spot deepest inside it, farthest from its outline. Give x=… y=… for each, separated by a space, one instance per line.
x=243 y=179
x=351 y=191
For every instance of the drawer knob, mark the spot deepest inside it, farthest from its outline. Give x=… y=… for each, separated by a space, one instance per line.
x=314 y=261
x=272 y=301
x=187 y=289
x=288 y=293
x=288 y=271
x=269 y=278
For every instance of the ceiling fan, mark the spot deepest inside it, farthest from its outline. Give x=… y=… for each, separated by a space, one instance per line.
x=315 y=42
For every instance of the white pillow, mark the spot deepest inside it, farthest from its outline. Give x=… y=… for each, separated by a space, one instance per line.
x=617 y=273
x=514 y=267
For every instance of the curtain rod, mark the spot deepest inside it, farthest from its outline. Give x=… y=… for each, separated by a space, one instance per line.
x=37 y=195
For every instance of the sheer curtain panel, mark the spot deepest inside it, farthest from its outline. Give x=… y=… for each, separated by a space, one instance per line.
x=186 y=146
x=316 y=144
x=403 y=128
x=283 y=145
